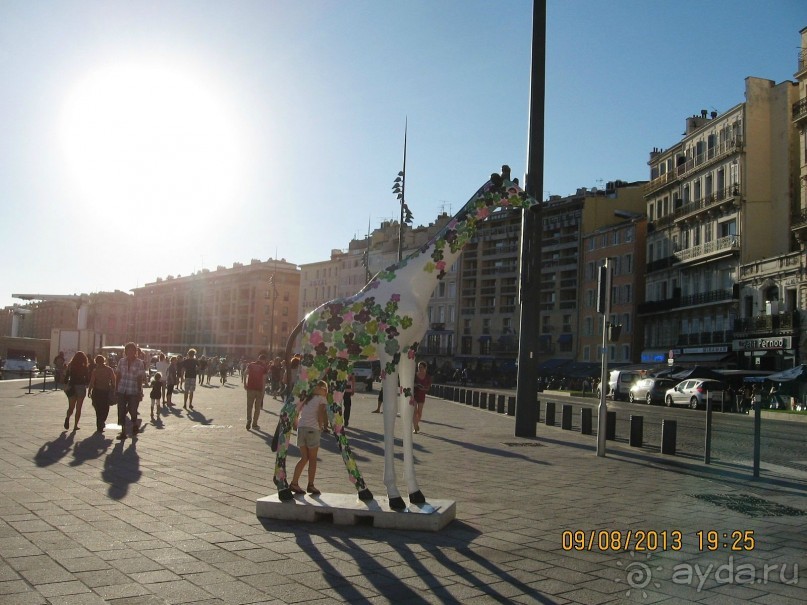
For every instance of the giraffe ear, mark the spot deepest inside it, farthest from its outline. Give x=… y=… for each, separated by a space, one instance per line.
x=496 y=180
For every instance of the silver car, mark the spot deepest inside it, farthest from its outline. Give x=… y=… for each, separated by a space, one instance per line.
x=693 y=392
x=650 y=390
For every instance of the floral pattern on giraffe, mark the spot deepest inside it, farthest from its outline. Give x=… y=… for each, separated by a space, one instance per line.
x=385 y=321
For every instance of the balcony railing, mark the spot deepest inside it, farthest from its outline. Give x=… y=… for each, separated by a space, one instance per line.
x=800 y=110
x=724 y=195
x=662 y=263
x=690 y=300
x=766 y=323
x=709 y=156
x=705 y=338
x=702 y=298
x=798 y=220
x=728 y=243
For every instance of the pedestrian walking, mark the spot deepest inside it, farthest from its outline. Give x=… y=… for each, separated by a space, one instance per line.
x=347 y=399
x=254 y=380
x=157 y=384
x=423 y=382
x=162 y=367
x=77 y=377
x=101 y=391
x=130 y=376
x=189 y=369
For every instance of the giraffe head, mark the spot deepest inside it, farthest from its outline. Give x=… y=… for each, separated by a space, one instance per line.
x=498 y=192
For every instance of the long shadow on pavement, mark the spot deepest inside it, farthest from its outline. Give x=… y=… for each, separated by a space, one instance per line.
x=122 y=468
x=53 y=451
x=90 y=448
x=457 y=538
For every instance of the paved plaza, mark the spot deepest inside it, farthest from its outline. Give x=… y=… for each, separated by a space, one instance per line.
x=171 y=517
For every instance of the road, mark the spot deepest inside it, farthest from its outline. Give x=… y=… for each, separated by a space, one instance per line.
x=783 y=443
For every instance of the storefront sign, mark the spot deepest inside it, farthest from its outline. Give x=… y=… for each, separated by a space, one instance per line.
x=763 y=344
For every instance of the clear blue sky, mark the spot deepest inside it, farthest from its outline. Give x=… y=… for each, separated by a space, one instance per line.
x=142 y=139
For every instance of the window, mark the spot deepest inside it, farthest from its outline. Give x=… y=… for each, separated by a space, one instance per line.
x=628 y=264
x=586 y=353
x=626 y=327
x=625 y=352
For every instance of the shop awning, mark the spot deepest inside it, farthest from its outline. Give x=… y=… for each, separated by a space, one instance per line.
x=704 y=358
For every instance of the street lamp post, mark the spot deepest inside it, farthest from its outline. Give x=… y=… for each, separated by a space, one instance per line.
x=273 y=294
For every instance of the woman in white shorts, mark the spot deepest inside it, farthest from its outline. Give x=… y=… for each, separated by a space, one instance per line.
x=310 y=422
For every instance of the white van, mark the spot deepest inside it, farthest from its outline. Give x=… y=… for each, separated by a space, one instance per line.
x=620 y=382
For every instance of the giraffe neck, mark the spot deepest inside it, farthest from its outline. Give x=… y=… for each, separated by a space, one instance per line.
x=419 y=272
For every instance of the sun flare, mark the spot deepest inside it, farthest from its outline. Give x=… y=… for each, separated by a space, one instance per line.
x=151 y=135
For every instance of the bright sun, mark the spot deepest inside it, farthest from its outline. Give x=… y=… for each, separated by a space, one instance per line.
x=150 y=135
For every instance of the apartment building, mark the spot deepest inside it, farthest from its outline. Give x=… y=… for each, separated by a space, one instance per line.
x=717 y=199
x=235 y=311
x=624 y=244
x=768 y=333
x=564 y=222
x=488 y=293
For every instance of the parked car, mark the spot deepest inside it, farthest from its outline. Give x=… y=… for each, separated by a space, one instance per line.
x=693 y=392
x=367 y=372
x=620 y=382
x=19 y=366
x=650 y=390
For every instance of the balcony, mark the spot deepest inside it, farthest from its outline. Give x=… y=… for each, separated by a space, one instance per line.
x=721 y=246
x=660 y=264
x=705 y=338
x=800 y=110
x=710 y=156
x=704 y=298
x=728 y=196
x=766 y=324
x=690 y=300
x=660 y=182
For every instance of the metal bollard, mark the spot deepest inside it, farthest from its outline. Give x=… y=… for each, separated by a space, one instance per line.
x=566 y=417
x=455 y=395
x=636 y=430
x=492 y=402
x=475 y=398
x=610 y=426
x=585 y=421
x=483 y=400
x=500 y=405
x=511 y=405
x=550 y=413
x=668 y=430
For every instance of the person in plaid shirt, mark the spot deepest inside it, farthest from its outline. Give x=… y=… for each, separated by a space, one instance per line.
x=131 y=374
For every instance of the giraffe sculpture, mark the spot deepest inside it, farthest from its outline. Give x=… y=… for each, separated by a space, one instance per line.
x=385 y=321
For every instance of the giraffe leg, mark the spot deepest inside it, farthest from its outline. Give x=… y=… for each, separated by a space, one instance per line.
x=406 y=369
x=391 y=396
x=334 y=409
x=288 y=414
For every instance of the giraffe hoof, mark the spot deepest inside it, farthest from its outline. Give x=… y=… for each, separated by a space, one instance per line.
x=397 y=503
x=417 y=498
x=285 y=495
x=365 y=495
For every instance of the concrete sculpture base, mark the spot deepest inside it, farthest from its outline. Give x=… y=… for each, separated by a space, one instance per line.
x=344 y=509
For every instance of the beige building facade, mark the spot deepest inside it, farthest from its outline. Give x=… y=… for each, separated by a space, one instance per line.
x=237 y=311
x=712 y=205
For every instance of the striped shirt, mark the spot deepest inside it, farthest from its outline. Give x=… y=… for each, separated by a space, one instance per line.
x=131 y=374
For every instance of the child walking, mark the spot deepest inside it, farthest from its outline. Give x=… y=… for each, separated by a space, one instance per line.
x=310 y=422
x=156 y=393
